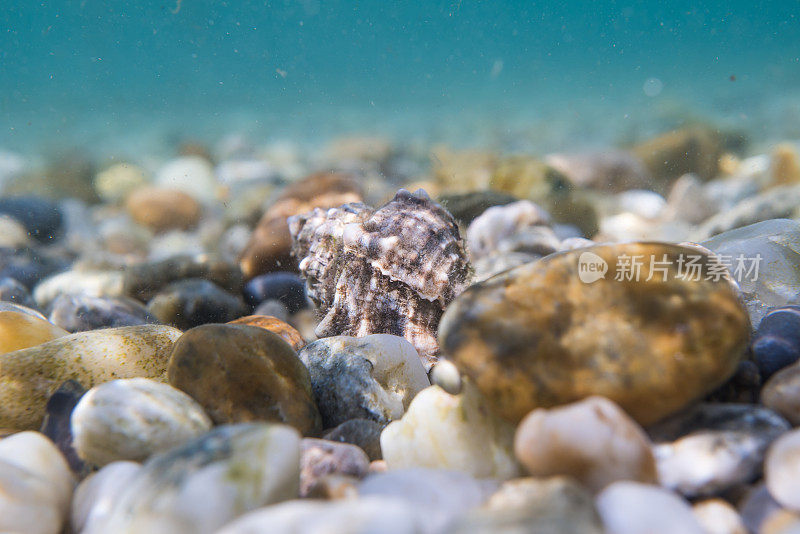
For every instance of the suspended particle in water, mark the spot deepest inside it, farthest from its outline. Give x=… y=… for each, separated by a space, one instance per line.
x=652 y=87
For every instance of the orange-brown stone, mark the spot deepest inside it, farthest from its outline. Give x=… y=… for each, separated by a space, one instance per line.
x=538 y=336
x=269 y=248
x=162 y=209
x=276 y=326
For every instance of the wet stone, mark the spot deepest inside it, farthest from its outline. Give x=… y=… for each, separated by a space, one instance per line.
x=13 y=291
x=56 y=424
x=776 y=343
x=41 y=218
x=194 y=302
x=28 y=377
x=29 y=266
x=592 y=441
x=78 y=313
x=633 y=508
x=321 y=458
x=364 y=433
x=143 y=281
x=276 y=326
x=373 y=377
x=244 y=373
x=35 y=485
x=782 y=470
x=782 y=393
x=20 y=330
x=453 y=432
x=133 y=419
x=550 y=505
x=288 y=288
x=199 y=487
x=777 y=241
x=466 y=207
x=525 y=335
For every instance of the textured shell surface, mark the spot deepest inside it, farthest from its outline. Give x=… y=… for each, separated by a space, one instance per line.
x=391 y=270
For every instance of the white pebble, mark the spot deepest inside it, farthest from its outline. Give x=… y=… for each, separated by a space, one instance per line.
x=635 y=508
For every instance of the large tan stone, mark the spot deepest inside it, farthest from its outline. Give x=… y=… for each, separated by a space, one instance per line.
x=538 y=336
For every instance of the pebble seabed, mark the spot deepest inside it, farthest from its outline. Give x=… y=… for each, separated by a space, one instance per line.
x=602 y=341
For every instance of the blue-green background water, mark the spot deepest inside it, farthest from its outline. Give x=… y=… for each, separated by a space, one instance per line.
x=117 y=75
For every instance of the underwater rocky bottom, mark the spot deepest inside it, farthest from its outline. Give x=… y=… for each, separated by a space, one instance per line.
x=380 y=338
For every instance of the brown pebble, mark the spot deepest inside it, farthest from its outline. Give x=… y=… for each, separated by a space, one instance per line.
x=162 y=209
x=276 y=326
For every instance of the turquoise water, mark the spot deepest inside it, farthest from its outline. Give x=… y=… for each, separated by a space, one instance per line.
x=135 y=76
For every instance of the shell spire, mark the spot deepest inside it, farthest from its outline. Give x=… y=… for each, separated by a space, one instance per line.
x=389 y=270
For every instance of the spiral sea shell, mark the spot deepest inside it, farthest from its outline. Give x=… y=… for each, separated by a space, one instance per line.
x=391 y=270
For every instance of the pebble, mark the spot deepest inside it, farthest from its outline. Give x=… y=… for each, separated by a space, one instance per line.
x=776 y=343
x=20 y=330
x=524 y=336
x=204 y=484
x=782 y=470
x=689 y=201
x=608 y=170
x=35 y=485
x=321 y=458
x=490 y=266
x=288 y=288
x=56 y=423
x=782 y=393
x=244 y=373
x=440 y=496
x=642 y=202
x=372 y=377
x=778 y=280
x=718 y=517
x=547 y=505
x=116 y=182
x=708 y=463
x=275 y=308
x=361 y=516
x=363 y=433
x=445 y=375
x=80 y=283
x=498 y=223
x=466 y=207
x=757 y=506
x=592 y=440
x=634 y=508
x=193 y=175
x=13 y=234
x=96 y=494
x=194 y=302
x=142 y=281
x=785 y=164
x=79 y=313
x=161 y=209
x=29 y=266
x=269 y=248
x=694 y=149
x=132 y=419
x=776 y=203
x=451 y=432
x=41 y=218
x=13 y=291
x=276 y=326
x=29 y=376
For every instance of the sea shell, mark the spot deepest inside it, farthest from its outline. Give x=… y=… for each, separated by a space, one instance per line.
x=391 y=270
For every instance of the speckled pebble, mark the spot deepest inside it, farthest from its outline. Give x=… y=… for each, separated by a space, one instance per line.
x=133 y=419
x=199 y=487
x=372 y=377
x=29 y=376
